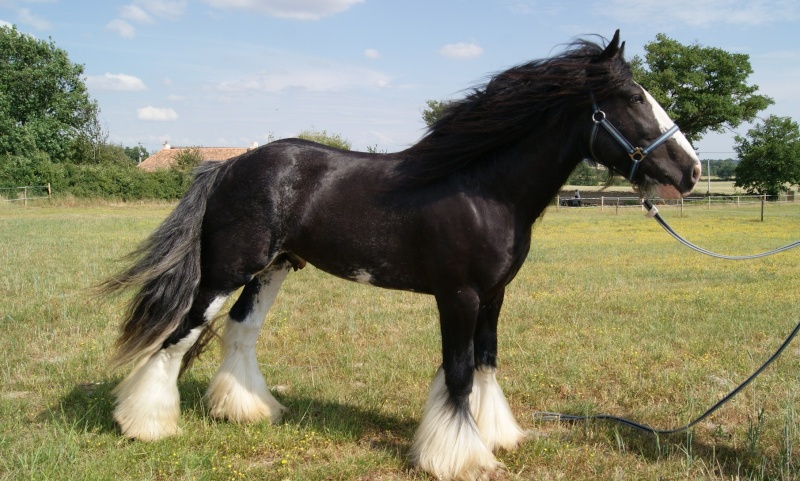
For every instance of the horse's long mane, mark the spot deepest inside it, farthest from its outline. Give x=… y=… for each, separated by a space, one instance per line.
x=526 y=100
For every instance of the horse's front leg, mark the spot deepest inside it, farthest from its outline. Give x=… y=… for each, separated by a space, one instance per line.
x=447 y=443
x=487 y=403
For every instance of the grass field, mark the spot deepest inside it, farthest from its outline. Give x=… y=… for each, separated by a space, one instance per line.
x=609 y=315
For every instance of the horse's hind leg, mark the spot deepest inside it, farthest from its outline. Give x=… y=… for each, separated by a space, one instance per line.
x=238 y=391
x=148 y=403
x=487 y=403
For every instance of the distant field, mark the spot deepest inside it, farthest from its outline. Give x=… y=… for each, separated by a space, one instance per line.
x=609 y=315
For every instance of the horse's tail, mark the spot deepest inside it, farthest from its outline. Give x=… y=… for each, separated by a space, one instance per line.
x=165 y=272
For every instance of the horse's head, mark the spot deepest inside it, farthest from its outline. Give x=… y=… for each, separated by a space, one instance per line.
x=633 y=135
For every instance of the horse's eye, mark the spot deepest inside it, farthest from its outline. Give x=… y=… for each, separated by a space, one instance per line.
x=637 y=99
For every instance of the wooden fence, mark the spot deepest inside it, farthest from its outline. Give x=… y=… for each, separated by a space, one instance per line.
x=25 y=193
x=707 y=202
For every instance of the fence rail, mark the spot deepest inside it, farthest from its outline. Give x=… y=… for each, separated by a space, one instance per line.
x=25 y=193
x=618 y=202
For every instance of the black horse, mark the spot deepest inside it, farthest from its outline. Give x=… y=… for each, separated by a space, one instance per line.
x=451 y=217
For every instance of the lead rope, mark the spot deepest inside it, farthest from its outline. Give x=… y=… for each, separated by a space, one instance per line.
x=548 y=416
x=653 y=212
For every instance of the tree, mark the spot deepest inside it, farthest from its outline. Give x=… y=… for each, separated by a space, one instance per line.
x=136 y=154
x=701 y=88
x=585 y=174
x=434 y=112
x=769 y=156
x=188 y=159
x=724 y=169
x=44 y=103
x=323 y=137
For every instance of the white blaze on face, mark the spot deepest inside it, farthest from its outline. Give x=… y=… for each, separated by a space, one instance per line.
x=665 y=123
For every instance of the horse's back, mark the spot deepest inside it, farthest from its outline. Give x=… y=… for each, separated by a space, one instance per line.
x=308 y=199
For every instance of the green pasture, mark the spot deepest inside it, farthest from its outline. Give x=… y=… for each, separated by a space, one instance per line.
x=608 y=315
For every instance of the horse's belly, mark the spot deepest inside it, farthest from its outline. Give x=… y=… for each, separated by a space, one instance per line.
x=386 y=274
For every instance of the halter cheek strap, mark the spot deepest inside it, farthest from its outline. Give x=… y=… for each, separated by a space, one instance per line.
x=635 y=154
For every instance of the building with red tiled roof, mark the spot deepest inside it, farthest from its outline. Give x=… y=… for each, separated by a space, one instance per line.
x=166 y=157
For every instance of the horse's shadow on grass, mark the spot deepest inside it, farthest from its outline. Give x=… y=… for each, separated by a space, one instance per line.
x=716 y=458
x=88 y=408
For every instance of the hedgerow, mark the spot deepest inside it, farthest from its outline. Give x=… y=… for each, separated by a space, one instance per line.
x=111 y=181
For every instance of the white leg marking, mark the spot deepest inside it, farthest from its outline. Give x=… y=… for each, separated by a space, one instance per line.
x=148 y=404
x=362 y=277
x=238 y=391
x=214 y=308
x=492 y=414
x=447 y=443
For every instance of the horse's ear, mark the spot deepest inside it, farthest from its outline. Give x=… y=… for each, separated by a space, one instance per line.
x=613 y=49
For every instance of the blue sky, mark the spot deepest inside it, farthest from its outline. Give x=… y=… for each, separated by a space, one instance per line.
x=234 y=72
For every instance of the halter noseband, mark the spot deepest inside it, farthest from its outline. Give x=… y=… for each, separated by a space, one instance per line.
x=635 y=154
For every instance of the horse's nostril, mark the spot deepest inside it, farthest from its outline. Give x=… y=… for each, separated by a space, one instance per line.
x=697 y=172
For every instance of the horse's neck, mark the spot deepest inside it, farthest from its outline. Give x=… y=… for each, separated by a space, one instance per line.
x=533 y=174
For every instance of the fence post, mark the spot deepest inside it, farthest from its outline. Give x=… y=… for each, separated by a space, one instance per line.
x=681 y=206
x=602 y=202
x=558 y=201
x=763 y=200
x=25 y=196
x=48 y=191
x=617 y=211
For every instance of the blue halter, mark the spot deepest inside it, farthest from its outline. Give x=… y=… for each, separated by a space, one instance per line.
x=635 y=154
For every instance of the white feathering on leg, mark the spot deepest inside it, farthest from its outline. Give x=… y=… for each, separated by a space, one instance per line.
x=238 y=391
x=148 y=403
x=447 y=443
x=491 y=411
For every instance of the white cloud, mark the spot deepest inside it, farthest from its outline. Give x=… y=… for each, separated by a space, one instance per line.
x=698 y=14
x=316 y=78
x=135 y=14
x=372 y=53
x=156 y=114
x=163 y=8
x=143 y=11
x=122 y=28
x=297 y=9
x=27 y=18
x=118 y=82
x=461 y=50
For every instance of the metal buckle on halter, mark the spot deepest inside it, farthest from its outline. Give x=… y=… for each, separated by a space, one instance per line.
x=638 y=154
